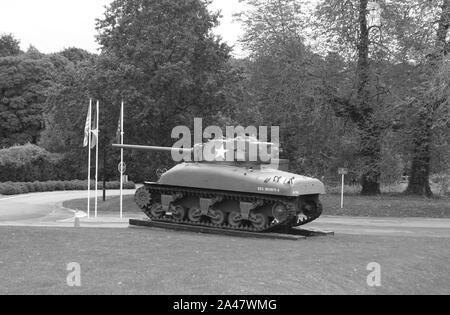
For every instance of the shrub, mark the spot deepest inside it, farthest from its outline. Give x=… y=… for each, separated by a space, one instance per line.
x=112 y=185
x=129 y=185
x=60 y=186
x=349 y=190
x=28 y=162
x=51 y=186
x=80 y=185
x=8 y=189
x=68 y=185
x=44 y=186
x=23 y=188
x=30 y=187
x=38 y=187
x=2 y=188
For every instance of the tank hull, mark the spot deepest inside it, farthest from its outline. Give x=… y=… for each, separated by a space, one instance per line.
x=226 y=209
x=241 y=179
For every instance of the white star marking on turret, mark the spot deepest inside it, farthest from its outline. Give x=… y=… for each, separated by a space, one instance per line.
x=220 y=153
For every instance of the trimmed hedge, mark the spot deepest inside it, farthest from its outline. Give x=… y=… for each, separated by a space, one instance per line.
x=29 y=162
x=12 y=188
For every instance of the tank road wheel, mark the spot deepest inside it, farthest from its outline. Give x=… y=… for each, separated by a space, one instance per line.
x=195 y=215
x=259 y=221
x=157 y=211
x=280 y=212
x=179 y=213
x=235 y=219
x=142 y=198
x=218 y=217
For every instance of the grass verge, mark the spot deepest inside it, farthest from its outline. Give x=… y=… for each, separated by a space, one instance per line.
x=166 y=262
x=397 y=206
x=112 y=204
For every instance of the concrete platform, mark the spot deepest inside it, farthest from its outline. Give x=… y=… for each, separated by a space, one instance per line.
x=292 y=234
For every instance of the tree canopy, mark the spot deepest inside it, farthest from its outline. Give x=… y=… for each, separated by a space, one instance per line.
x=24 y=82
x=9 y=46
x=349 y=86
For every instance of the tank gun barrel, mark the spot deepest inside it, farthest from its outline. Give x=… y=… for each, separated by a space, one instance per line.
x=151 y=148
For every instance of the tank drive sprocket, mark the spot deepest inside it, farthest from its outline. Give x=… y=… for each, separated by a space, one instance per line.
x=142 y=197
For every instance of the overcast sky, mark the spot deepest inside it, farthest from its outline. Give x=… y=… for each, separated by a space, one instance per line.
x=52 y=25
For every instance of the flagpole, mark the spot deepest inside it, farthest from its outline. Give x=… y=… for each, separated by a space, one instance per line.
x=121 y=161
x=96 y=159
x=89 y=161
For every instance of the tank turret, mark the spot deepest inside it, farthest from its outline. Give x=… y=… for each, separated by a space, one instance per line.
x=235 y=183
x=241 y=150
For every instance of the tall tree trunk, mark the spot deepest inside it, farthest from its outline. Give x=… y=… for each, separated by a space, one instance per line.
x=370 y=133
x=371 y=155
x=419 y=183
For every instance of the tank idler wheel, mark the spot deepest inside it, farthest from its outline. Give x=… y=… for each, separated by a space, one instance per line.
x=195 y=215
x=157 y=211
x=259 y=220
x=312 y=208
x=178 y=213
x=217 y=217
x=235 y=219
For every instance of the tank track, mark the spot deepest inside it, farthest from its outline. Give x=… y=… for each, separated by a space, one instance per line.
x=290 y=203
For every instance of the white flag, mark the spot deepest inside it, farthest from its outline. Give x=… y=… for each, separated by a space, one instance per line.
x=87 y=128
x=94 y=139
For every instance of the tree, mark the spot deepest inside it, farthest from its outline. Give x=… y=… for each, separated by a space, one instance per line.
x=417 y=31
x=24 y=82
x=401 y=53
x=428 y=104
x=347 y=29
x=9 y=46
x=161 y=57
x=66 y=107
x=76 y=55
x=283 y=85
x=162 y=60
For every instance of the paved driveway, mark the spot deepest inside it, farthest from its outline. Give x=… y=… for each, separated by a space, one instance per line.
x=45 y=210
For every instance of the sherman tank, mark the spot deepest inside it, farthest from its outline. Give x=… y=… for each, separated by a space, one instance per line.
x=234 y=191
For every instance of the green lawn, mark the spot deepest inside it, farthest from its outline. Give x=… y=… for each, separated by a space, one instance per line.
x=137 y=261
x=112 y=204
x=379 y=206
x=395 y=205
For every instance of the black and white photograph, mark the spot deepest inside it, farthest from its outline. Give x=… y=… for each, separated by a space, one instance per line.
x=224 y=155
